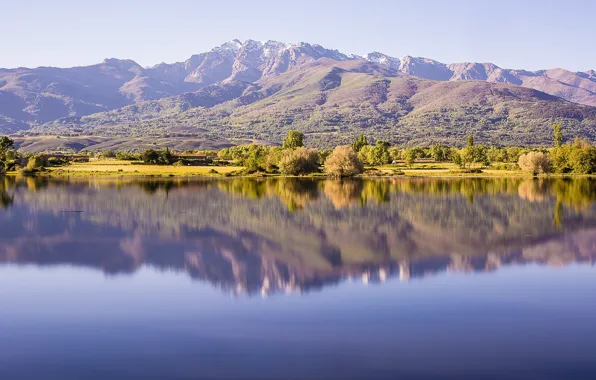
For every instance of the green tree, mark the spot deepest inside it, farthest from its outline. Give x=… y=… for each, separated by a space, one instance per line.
x=496 y=154
x=149 y=156
x=380 y=153
x=6 y=152
x=359 y=143
x=582 y=157
x=470 y=140
x=457 y=159
x=395 y=153
x=557 y=135
x=294 y=139
x=256 y=158
x=34 y=163
x=165 y=157
x=6 y=143
x=474 y=154
x=109 y=154
x=440 y=152
x=366 y=155
x=410 y=156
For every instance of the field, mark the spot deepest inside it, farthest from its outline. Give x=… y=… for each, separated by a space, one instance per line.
x=130 y=169
x=441 y=169
x=127 y=168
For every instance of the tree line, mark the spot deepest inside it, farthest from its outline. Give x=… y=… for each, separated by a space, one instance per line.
x=293 y=158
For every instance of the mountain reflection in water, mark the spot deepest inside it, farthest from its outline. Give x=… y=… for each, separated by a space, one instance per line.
x=261 y=236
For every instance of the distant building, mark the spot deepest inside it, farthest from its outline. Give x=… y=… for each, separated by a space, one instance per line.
x=65 y=157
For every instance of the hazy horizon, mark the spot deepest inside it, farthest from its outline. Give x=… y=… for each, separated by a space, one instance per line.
x=530 y=35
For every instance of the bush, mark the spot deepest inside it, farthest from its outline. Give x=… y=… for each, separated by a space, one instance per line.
x=535 y=163
x=466 y=171
x=343 y=162
x=109 y=154
x=504 y=166
x=299 y=161
x=34 y=163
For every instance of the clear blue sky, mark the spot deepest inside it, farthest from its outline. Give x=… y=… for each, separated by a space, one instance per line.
x=512 y=34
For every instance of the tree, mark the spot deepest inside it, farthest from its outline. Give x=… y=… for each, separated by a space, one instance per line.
x=473 y=154
x=582 y=157
x=557 y=135
x=255 y=159
x=109 y=154
x=149 y=156
x=294 y=139
x=496 y=154
x=535 y=163
x=410 y=156
x=395 y=153
x=470 y=141
x=299 y=161
x=380 y=153
x=440 y=152
x=271 y=162
x=513 y=153
x=34 y=163
x=359 y=143
x=457 y=159
x=343 y=162
x=6 y=143
x=366 y=154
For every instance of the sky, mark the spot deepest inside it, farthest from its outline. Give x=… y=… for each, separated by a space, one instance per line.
x=512 y=34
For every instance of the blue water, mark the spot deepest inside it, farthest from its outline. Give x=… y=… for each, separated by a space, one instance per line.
x=75 y=306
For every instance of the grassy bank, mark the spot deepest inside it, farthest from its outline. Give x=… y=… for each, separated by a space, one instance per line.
x=129 y=169
x=439 y=169
x=121 y=168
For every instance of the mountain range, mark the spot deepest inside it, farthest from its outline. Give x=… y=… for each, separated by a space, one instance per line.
x=259 y=90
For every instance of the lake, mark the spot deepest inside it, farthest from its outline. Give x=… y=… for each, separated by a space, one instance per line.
x=297 y=279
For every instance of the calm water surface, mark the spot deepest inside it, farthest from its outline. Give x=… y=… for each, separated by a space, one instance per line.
x=298 y=279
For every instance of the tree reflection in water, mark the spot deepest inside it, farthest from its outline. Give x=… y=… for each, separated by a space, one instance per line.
x=287 y=234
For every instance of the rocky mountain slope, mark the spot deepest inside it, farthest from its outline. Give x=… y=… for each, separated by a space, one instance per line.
x=262 y=89
x=333 y=101
x=40 y=95
x=577 y=87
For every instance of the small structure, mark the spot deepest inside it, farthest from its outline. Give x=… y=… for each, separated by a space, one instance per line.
x=195 y=158
x=46 y=157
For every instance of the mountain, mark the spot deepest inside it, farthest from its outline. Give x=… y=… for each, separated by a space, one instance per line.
x=36 y=96
x=259 y=90
x=577 y=87
x=333 y=101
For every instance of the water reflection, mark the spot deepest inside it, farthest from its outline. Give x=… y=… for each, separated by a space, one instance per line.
x=261 y=236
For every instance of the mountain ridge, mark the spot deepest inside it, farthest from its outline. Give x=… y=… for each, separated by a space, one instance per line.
x=237 y=74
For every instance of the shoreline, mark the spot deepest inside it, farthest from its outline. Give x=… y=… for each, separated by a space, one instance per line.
x=51 y=174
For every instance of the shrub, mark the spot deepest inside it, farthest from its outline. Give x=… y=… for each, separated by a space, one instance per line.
x=109 y=154
x=343 y=162
x=535 y=163
x=299 y=161
x=34 y=163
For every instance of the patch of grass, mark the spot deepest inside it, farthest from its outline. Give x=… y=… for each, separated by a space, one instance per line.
x=126 y=168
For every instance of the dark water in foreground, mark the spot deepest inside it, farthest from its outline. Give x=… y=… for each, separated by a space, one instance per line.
x=298 y=279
